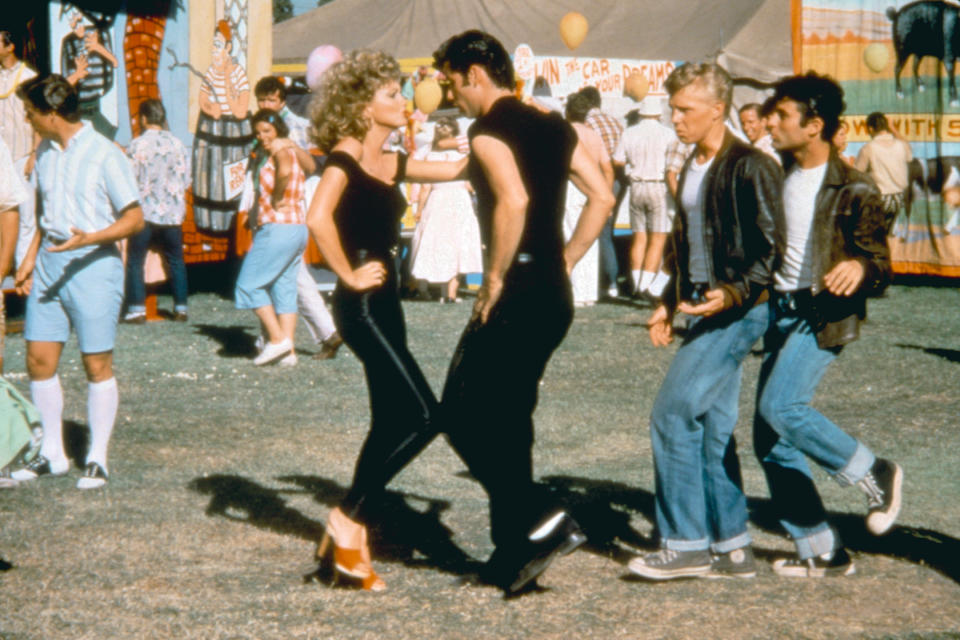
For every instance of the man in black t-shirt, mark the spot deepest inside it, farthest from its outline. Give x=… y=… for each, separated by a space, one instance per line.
x=520 y=162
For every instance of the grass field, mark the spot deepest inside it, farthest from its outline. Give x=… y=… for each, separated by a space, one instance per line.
x=223 y=474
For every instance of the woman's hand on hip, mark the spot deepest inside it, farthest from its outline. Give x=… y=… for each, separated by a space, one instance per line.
x=369 y=275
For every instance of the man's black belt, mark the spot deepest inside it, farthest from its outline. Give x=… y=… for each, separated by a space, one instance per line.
x=793 y=303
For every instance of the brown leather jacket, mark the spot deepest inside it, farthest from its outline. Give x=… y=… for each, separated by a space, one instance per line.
x=848 y=223
x=743 y=196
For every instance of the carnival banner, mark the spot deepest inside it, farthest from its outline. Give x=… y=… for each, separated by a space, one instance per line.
x=889 y=56
x=566 y=74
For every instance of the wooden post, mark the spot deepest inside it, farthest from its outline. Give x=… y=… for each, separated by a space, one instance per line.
x=151 y=304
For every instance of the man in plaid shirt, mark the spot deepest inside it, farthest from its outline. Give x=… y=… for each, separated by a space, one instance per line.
x=610 y=131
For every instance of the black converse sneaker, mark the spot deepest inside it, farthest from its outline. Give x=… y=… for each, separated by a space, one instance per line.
x=667 y=564
x=39 y=466
x=883 y=485
x=93 y=477
x=738 y=563
x=837 y=563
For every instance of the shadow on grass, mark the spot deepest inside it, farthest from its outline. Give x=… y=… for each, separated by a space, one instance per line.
x=76 y=442
x=234 y=341
x=604 y=508
x=920 y=546
x=407 y=527
x=952 y=355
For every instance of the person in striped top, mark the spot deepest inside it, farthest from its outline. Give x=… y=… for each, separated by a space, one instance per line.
x=226 y=90
x=72 y=271
x=267 y=283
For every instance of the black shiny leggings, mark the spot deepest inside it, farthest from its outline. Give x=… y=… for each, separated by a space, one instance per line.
x=491 y=393
x=402 y=406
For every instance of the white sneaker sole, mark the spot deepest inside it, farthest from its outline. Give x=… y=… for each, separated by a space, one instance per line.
x=90 y=483
x=638 y=567
x=26 y=475
x=791 y=571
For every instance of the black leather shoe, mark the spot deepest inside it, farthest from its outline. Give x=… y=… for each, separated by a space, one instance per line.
x=516 y=571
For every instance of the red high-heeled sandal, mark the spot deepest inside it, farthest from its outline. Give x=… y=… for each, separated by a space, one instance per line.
x=351 y=552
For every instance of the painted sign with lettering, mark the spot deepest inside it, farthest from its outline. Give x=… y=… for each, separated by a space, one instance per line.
x=565 y=74
x=871 y=47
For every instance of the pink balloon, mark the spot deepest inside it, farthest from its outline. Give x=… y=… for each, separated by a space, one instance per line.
x=319 y=60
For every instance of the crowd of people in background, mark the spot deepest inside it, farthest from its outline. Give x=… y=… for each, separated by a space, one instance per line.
x=738 y=232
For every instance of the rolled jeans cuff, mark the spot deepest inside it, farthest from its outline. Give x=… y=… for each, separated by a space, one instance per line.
x=857 y=466
x=687 y=545
x=818 y=543
x=728 y=545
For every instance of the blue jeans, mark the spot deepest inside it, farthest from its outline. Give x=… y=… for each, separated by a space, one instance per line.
x=786 y=428
x=699 y=494
x=170 y=239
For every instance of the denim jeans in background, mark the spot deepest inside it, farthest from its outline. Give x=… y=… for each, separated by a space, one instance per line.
x=170 y=241
x=699 y=495
x=786 y=428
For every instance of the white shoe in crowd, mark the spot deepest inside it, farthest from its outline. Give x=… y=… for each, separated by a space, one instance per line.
x=273 y=352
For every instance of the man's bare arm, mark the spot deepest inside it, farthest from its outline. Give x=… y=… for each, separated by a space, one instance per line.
x=508 y=218
x=9 y=227
x=129 y=223
x=587 y=176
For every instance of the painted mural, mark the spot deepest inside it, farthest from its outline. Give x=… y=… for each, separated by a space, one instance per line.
x=898 y=58
x=223 y=137
x=196 y=57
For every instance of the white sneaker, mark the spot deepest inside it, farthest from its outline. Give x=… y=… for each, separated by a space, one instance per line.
x=94 y=477
x=273 y=351
x=260 y=343
x=288 y=360
x=41 y=466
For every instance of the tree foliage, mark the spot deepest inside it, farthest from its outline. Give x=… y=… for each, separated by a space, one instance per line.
x=282 y=10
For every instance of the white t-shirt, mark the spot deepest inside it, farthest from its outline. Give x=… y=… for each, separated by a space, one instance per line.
x=799 y=200
x=692 y=199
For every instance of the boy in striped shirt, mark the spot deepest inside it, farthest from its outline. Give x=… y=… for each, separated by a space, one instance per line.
x=72 y=272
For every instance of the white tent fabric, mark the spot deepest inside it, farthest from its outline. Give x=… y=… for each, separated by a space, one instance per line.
x=752 y=37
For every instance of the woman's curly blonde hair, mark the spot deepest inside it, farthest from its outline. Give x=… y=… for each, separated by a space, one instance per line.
x=345 y=90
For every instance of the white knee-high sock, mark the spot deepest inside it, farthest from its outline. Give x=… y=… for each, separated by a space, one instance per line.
x=47 y=395
x=646 y=279
x=659 y=283
x=102 y=401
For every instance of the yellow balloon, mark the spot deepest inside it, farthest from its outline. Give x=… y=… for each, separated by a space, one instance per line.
x=636 y=86
x=427 y=95
x=573 y=29
x=876 y=56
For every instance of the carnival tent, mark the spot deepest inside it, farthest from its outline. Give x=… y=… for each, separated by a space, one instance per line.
x=750 y=37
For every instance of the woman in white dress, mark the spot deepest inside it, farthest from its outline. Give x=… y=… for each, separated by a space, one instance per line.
x=446 y=242
x=586 y=274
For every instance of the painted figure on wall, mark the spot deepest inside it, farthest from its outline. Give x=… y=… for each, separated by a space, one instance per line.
x=223 y=136
x=88 y=63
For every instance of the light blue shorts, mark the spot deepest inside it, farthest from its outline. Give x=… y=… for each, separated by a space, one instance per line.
x=82 y=288
x=269 y=272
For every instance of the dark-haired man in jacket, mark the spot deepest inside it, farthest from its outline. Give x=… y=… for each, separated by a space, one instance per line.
x=832 y=255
